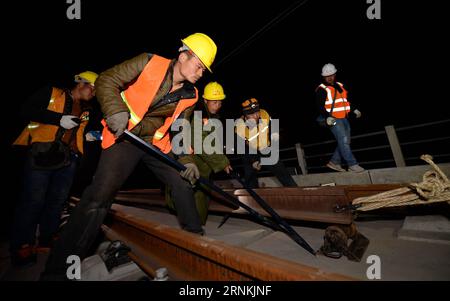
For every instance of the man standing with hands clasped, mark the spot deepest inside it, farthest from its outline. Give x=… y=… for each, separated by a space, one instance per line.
x=333 y=106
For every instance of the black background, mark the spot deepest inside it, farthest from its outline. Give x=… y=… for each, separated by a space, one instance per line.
x=395 y=68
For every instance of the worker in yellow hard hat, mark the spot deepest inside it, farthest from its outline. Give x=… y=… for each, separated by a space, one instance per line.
x=206 y=162
x=202 y=46
x=145 y=95
x=88 y=77
x=55 y=138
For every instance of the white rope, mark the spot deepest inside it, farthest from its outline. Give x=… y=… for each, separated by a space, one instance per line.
x=435 y=187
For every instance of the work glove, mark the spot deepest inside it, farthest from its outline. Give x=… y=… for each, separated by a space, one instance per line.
x=331 y=121
x=191 y=173
x=357 y=113
x=67 y=122
x=256 y=165
x=275 y=137
x=93 y=136
x=118 y=122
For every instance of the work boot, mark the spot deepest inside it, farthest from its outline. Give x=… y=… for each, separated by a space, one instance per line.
x=25 y=256
x=336 y=167
x=45 y=244
x=356 y=168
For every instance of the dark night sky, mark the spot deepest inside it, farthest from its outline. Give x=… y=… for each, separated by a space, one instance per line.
x=395 y=68
x=386 y=64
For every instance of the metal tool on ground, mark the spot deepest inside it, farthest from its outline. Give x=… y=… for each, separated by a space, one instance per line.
x=286 y=227
x=180 y=167
x=116 y=254
x=336 y=242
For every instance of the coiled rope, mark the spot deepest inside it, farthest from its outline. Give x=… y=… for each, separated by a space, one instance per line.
x=435 y=187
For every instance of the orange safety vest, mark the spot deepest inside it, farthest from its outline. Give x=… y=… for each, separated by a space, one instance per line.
x=139 y=96
x=341 y=104
x=41 y=132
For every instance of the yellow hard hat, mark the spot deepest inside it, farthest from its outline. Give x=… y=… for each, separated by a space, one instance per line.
x=203 y=47
x=86 y=77
x=214 y=91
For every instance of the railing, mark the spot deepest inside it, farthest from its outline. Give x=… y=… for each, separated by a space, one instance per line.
x=396 y=156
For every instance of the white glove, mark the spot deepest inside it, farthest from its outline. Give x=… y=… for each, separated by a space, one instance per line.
x=275 y=137
x=118 y=122
x=357 y=113
x=331 y=121
x=191 y=173
x=256 y=165
x=90 y=137
x=67 y=122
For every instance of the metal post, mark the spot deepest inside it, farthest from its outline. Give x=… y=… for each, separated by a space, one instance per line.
x=301 y=158
x=395 y=146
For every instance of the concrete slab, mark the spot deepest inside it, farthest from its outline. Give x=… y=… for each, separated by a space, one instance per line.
x=403 y=174
x=429 y=228
x=397 y=175
x=400 y=260
x=340 y=178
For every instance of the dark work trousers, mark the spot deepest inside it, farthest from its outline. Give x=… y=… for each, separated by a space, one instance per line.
x=278 y=169
x=43 y=196
x=115 y=165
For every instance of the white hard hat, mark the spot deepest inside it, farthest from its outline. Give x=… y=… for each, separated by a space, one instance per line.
x=328 y=69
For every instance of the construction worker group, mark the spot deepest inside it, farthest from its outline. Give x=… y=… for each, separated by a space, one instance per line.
x=145 y=95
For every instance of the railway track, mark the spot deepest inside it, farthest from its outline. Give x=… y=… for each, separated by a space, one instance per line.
x=314 y=204
x=191 y=257
x=186 y=256
x=244 y=250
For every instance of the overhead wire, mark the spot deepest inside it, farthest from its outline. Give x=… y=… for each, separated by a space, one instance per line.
x=281 y=16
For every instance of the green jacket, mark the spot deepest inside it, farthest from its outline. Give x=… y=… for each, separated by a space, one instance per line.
x=205 y=163
x=116 y=79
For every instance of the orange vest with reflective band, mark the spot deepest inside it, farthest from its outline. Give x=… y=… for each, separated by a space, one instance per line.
x=341 y=104
x=139 y=96
x=41 y=132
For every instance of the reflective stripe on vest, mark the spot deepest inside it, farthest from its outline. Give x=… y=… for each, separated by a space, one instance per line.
x=161 y=138
x=139 y=96
x=341 y=104
x=263 y=130
x=41 y=132
x=133 y=117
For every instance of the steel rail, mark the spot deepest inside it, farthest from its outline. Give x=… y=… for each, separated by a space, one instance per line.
x=192 y=257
